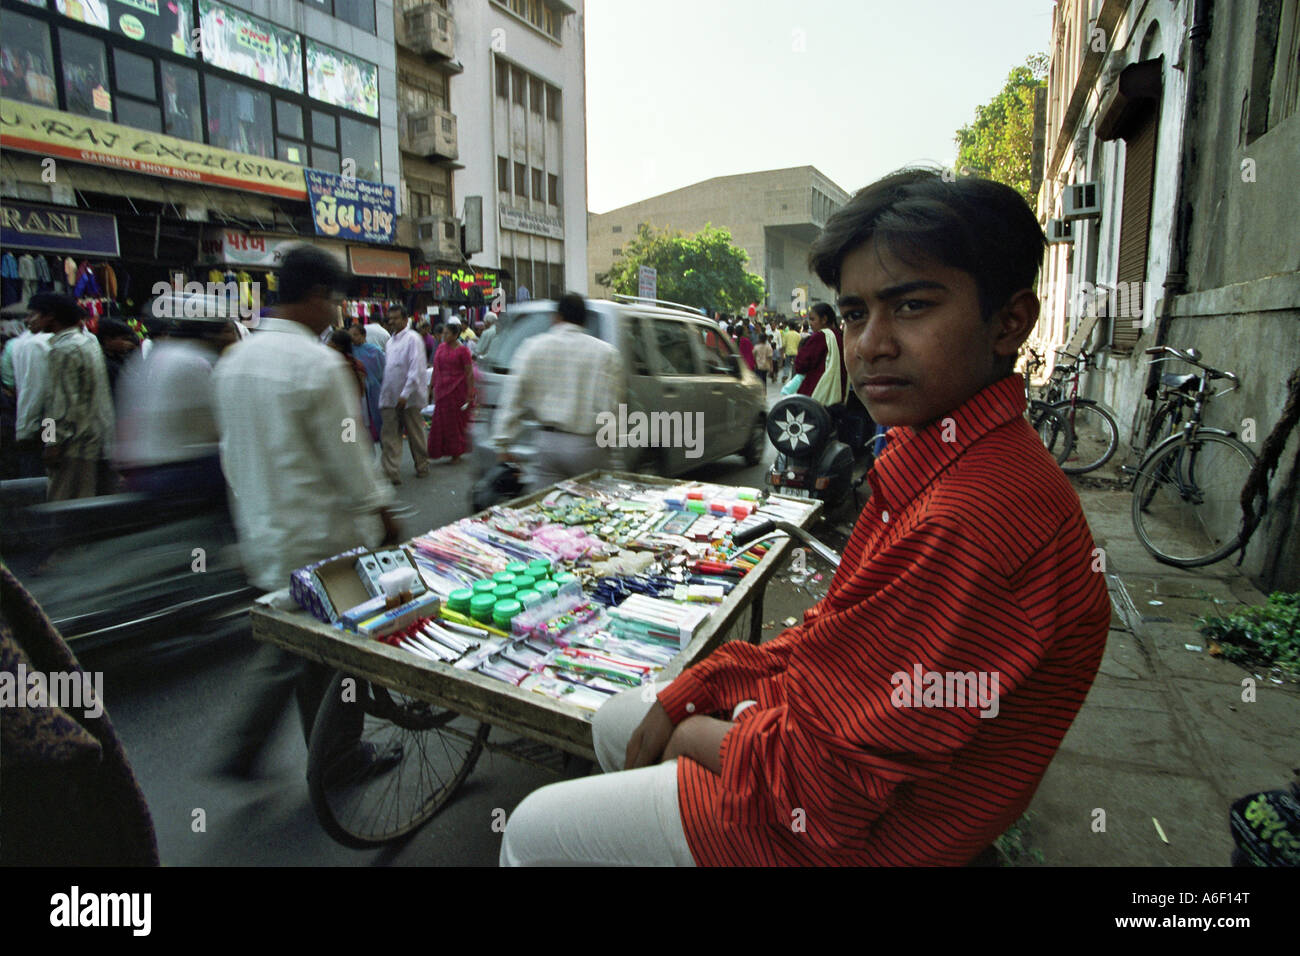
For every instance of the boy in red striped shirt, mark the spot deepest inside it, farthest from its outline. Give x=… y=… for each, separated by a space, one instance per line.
x=909 y=719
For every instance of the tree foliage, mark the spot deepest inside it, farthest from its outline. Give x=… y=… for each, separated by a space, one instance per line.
x=704 y=270
x=999 y=145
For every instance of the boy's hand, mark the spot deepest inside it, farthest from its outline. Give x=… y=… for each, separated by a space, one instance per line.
x=650 y=738
x=699 y=738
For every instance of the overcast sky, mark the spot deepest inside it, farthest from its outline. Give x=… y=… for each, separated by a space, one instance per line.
x=682 y=90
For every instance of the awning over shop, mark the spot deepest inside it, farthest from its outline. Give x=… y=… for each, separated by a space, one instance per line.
x=384 y=263
x=1135 y=93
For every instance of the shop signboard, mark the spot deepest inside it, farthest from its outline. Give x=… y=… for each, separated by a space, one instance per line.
x=458 y=285
x=243 y=44
x=344 y=207
x=36 y=129
x=531 y=222
x=61 y=230
x=384 y=263
x=344 y=80
x=235 y=247
x=166 y=24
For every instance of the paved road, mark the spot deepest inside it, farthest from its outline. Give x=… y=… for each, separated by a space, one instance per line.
x=167 y=712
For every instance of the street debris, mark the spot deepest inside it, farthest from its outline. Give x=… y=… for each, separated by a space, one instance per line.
x=1194 y=647
x=789 y=622
x=1160 y=830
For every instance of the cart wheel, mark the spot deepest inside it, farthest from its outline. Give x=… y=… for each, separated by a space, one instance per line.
x=411 y=759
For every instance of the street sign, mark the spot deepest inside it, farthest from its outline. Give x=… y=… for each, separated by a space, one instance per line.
x=648 y=282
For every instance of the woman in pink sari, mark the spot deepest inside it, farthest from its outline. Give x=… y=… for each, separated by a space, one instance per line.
x=452 y=391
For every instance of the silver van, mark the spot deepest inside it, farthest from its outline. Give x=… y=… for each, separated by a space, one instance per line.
x=677 y=364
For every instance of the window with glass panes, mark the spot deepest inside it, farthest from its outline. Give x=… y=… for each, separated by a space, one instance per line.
x=148 y=83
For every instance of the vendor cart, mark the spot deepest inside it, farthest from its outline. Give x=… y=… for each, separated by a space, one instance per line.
x=432 y=721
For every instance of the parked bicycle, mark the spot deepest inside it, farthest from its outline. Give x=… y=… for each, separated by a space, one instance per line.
x=1096 y=436
x=1052 y=424
x=1187 y=489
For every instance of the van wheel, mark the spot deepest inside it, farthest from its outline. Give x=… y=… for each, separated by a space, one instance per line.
x=753 y=450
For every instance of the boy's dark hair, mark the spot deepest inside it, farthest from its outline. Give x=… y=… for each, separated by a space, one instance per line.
x=61 y=307
x=113 y=328
x=306 y=271
x=572 y=308
x=971 y=224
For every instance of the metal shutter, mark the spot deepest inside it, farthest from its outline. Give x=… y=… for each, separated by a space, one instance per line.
x=1134 y=233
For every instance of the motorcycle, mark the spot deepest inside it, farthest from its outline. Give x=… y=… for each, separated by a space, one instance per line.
x=813 y=460
x=127 y=569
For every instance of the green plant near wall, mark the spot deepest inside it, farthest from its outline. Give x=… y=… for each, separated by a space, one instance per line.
x=1267 y=635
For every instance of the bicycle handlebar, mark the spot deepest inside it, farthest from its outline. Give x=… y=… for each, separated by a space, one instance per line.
x=773 y=528
x=1192 y=357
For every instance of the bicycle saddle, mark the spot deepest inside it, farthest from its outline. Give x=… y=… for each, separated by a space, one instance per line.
x=1185 y=383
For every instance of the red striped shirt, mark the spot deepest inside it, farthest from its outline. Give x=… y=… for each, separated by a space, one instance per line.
x=972 y=560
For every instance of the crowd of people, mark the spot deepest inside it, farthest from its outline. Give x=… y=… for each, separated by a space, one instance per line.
x=778 y=349
x=128 y=407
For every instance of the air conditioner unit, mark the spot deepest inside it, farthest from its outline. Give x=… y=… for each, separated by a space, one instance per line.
x=1060 y=230
x=1081 y=201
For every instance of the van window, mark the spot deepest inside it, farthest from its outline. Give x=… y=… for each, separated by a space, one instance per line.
x=675 y=342
x=634 y=346
x=717 y=351
x=519 y=328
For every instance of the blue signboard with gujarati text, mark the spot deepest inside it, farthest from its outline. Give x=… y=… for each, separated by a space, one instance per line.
x=355 y=209
x=57 y=229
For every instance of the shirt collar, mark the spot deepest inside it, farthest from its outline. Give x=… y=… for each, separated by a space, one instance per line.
x=269 y=323
x=912 y=459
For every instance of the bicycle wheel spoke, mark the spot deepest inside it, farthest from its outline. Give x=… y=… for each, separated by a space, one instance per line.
x=1186 y=500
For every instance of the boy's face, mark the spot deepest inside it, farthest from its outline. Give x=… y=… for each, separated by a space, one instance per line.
x=914 y=343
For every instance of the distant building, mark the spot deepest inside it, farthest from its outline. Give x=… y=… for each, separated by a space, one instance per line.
x=521 y=109
x=773 y=215
x=1172 y=153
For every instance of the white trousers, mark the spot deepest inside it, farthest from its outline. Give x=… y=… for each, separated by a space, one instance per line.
x=620 y=818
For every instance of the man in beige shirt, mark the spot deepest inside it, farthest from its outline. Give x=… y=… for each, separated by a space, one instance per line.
x=564 y=379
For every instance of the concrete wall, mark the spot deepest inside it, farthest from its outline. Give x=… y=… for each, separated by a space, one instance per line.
x=1241 y=307
x=483 y=26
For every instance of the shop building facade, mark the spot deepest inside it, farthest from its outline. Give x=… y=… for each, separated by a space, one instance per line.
x=520 y=112
x=1171 y=157
x=213 y=134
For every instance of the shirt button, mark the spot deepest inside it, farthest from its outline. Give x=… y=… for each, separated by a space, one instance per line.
x=690 y=708
x=884 y=516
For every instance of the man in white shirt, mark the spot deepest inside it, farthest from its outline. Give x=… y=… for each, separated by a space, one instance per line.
x=167 y=439
x=564 y=379
x=376 y=334
x=302 y=485
x=29 y=354
x=401 y=396
x=489 y=333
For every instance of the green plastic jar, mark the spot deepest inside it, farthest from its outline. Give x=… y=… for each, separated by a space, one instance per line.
x=564 y=577
x=504 y=611
x=524 y=582
x=480 y=607
x=459 y=599
x=504 y=577
x=539 y=568
x=505 y=592
x=529 y=598
x=517 y=567
x=484 y=586
x=547 y=589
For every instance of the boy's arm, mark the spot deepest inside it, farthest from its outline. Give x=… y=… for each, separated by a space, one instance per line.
x=845 y=739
